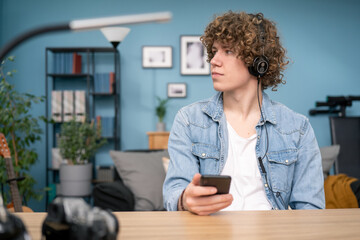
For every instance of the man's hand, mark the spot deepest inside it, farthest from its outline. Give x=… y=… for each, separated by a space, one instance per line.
x=201 y=200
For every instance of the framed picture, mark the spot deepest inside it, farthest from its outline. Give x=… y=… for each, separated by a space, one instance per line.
x=176 y=90
x=193 y=56
x=157 y=56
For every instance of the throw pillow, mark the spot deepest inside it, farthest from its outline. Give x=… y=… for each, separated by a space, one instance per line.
x=166 y=161
x=329 y=155
x=143 y=173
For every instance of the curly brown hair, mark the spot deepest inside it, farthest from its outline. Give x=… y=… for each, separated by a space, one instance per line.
x=249 y=35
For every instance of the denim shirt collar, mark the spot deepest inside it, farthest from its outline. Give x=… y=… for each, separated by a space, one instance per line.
x=268 y=109
x=215 y=108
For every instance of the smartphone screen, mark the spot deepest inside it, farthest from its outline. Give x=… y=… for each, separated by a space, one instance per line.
x=221 y=182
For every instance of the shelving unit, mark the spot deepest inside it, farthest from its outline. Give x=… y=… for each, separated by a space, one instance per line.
x=109 y=59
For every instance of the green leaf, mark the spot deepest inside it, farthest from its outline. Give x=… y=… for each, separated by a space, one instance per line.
x=161 y=108
x=22 y=130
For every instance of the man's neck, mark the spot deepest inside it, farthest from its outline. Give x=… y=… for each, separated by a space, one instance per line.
x=242 y=103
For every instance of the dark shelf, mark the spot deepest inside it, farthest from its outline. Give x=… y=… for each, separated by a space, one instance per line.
x=54 y=169
x=103 y=94
x=69 y=75
x=84 y=79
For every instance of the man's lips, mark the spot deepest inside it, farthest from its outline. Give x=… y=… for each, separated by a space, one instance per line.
x=216 y=74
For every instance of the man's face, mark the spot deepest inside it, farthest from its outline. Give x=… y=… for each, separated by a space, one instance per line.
x=228 y=72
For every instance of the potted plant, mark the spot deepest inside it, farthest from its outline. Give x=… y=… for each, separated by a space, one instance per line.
x=160 y=113
x=22 y=130
x=78 y=144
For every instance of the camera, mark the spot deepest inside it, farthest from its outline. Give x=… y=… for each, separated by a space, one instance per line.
x=11 y=227
x=73 y=218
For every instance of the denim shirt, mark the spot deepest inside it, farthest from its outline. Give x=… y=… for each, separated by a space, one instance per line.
x=198 y=143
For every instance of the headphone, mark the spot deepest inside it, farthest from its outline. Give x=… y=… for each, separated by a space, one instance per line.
x=258 y=69
x=261 y=63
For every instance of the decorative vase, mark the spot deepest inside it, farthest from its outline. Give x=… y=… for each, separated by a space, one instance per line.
x=160 y=127
x=75 y=180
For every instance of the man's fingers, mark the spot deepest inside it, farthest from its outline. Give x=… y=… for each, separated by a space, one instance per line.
x=196 y=179
x=210 y=200
x=210 y=208
x=198 y=191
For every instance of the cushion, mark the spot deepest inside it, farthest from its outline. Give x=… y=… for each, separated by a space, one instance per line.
x=329 y=155
x=166 y=162
x=143 y=173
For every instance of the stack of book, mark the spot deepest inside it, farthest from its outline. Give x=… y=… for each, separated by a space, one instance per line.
x=67 y=63
x=107 y=126
x=104 y=82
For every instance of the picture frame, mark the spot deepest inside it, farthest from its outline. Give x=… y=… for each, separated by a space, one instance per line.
x=176 y=90
x=157 y=57
x=193 y=56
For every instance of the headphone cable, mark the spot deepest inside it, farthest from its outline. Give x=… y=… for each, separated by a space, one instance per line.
x=263 y=120
x=267 y=147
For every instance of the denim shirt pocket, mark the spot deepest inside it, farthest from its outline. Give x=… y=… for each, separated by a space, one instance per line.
x=282 y=165
x=208 y=156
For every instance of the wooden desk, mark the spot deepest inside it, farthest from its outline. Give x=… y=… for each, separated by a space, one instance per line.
x=292 y=224
x=158 y=140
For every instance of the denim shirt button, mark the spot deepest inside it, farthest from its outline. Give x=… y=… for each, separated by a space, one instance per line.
x=286 y=161
x=203 y=154
x=266 y=185
x=258 y=137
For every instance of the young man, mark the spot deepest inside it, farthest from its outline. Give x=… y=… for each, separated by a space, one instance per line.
x=270 y=151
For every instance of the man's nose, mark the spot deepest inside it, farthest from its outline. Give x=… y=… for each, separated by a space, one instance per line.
x=216 y=61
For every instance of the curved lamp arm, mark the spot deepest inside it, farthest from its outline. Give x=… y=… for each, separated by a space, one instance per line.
x=87 y=24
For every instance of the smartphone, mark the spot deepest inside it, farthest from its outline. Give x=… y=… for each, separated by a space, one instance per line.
x=221 y=182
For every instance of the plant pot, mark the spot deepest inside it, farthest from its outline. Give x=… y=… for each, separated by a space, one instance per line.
x=160 y=127
x=75 y=180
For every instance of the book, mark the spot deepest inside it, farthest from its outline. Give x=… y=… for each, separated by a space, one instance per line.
x=56 y=105
x=98 y=121
x=112 y=86
x=107 y=126
x=102 y=83
x=76 y=63
x=56 y=158
x=68 y=103
x=80 y=106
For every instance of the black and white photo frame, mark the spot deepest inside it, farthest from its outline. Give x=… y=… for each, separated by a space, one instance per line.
x=157 y=57
x=193 y=56
x=176 y=90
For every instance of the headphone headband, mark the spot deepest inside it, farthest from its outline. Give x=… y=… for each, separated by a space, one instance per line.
x=261 y=63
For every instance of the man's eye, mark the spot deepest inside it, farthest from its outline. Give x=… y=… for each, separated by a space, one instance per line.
x=228 y=52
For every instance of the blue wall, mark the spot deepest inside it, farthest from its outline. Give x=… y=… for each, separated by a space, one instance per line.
x=1 y=22
x=321 y=38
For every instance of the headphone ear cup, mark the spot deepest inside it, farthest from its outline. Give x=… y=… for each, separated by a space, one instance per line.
x=260 y=66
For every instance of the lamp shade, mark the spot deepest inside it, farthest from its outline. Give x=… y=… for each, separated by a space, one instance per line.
x=115 y=34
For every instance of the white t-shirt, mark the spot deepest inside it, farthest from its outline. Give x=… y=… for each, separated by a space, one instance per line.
x=246 y=186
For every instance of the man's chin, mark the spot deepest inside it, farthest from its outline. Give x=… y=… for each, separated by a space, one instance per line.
x=218 y=88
